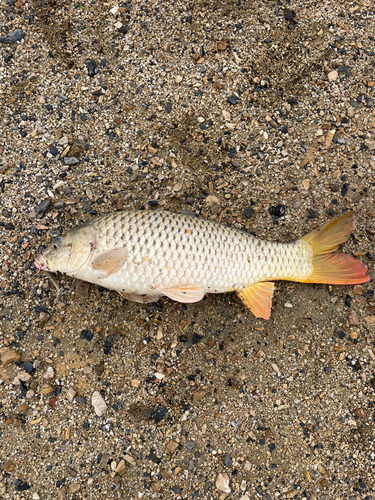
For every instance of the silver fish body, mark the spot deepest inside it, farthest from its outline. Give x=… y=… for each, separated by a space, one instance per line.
x=144 y=255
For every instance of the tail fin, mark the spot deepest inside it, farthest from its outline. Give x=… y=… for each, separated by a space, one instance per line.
x=335 y=269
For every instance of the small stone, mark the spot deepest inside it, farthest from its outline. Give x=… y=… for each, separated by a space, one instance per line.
x=160 y=413
x=353 y=318
x=91 y=67
x=212 y=202
x=28 y=367
x=14 y=36
x=49 y=373
x=222 y=482
x=130 y=460
x=329 y=138
x=350 y=111
x=53 y=150
x=9 y=356
x=332 y=76
x=178 y=79
x=292 y=100
x=75 y=151
x=74 y=487
x=100 y=406
x=227 y=460
x=249 y=212
x=222 y=46
x=70 y=160
x=71 y=394
x=43 y=206
x=278 y=211
x=232 y=99
x=189 y=445
x=289 y=14
x=9 y=466
x=171 y=446
x=43 y=318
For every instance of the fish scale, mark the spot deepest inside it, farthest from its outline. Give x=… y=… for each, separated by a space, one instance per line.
x=191 y=251
x=145 y=254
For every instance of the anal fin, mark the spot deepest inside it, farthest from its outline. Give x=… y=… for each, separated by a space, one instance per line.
x=258 y=298
x=142 y=299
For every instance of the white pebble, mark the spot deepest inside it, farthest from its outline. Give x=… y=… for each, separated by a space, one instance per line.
x=100 y=406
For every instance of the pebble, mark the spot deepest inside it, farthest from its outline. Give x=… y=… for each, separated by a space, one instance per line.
x=43 y=206
x=14 y=36
x=222 y=482
x=71 y=394
x=28 y=367
x=71 y=160
x=232 y=99
x=330 y=135
x=227 y=460
x=278 y=211
x=49 y=373
x=160 y=413
x=9 y=356
x=249 y=212
x=189 y=445
x=332 y=76
x=91 y=67
x=100 y=406
x=171 y=446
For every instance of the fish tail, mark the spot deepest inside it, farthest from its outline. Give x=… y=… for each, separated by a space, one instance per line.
x=334 y=268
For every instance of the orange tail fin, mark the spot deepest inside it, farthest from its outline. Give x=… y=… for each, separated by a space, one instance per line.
x=335 y=269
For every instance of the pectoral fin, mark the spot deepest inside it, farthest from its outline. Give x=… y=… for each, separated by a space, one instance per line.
x=109 y=262
x=185 y=294
x=258 y=298
x=142 y=299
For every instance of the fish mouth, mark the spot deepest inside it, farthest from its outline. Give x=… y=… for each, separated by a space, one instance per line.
x=40 y=263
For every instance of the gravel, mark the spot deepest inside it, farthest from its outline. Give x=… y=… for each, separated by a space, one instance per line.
x=226 y=110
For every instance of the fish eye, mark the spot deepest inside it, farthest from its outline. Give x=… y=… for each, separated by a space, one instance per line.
x=57 y=243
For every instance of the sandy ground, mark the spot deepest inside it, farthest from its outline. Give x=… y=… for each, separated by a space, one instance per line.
x=225 y=109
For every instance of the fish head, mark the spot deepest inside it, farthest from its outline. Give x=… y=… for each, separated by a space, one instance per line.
x=68 y=253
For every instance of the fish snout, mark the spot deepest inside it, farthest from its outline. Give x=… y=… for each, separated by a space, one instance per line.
x=40 y=263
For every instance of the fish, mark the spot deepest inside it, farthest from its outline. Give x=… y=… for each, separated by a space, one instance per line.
x=144 y=255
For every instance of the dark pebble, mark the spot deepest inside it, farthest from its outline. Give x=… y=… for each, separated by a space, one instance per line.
x=153 y=203
x=91 y=67
x=227 y=460
x=249 y=212
x=80 y=400
x=182 y=338
x=340 y=333
x=292 y=100
x=312 y=214
x=9 y=226
x=108 y=345
x=21 y=486
x=348 y=301
x=53 y=150
x=14 y=36
x=176 y=489
x=232 y=99
x=43 y=206
x=189 y=445
x=284 y=129
x=60 y=482
x=277 y=211
x=196 y=338
x=87 y=335
x=168 y=107
x=160 y=413
x=28 y=367
x=289 y=15
x=232 y=152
